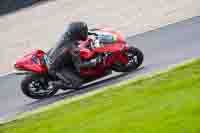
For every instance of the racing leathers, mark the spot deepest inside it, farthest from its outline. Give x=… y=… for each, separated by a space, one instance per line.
x=66 y=52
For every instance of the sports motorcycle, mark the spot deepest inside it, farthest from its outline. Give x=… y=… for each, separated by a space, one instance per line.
x=117 y=56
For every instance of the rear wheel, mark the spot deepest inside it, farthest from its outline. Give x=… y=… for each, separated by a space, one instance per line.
x=135 y=59
x=36 y=87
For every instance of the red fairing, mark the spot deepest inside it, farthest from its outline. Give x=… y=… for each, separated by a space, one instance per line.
x=32 y=62
x=85 y=53
x=97 y=71
x=116 y=49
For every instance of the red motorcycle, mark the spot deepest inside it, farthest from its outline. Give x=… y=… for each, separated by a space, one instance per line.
x=115 y=56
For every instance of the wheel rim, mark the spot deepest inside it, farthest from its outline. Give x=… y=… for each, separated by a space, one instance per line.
x=36 y=87
x=132 y=58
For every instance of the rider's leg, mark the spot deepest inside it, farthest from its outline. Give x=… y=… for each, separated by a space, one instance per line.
x=55 y=65
x=71 y=78
x=65 y=75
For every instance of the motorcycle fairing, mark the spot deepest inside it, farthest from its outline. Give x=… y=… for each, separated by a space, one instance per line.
x=33 y=62
x=116 y=49
x=86 y=53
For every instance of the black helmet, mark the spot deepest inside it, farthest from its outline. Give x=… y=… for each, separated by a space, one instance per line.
x=78 y=31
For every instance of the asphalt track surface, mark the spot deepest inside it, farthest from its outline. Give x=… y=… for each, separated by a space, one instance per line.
x=162 y=47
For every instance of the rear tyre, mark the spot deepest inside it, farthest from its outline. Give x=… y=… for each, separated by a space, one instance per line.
x=135 y=58
x=36 y=87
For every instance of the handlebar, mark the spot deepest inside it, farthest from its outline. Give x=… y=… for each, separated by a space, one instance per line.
x=92 y=33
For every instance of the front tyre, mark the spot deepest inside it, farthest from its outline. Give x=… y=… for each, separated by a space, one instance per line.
x=135 y=59
x=36 y=87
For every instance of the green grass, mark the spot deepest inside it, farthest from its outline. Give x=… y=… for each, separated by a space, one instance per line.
x=166 y=103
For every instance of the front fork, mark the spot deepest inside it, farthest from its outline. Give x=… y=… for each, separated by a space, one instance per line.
x=119 y=56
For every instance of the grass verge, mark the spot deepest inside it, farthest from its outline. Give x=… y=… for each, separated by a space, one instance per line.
x=168 y=102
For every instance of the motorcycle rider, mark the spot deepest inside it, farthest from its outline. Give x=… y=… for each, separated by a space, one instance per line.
x=67 y=51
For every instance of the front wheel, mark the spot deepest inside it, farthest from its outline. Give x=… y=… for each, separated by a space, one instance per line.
x=36 y=87
x=135 y=59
